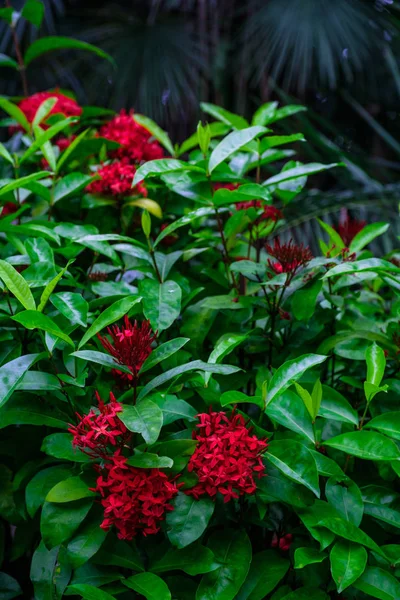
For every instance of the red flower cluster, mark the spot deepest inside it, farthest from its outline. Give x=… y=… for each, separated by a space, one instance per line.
x=97 y=431
x=136 y=143
x=116 y=180
x=283 y=543
x=130 y=345
x=289 y=257
x=227 y=456
x=64 y=105
x=9 y=208
x=64 y=142
x=349 y=228
x=133 y=499
x=269 y=212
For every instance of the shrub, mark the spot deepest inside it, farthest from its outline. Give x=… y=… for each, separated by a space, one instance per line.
x=192 y=406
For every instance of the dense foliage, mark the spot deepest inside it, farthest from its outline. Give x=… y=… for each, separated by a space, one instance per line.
x=192 y=406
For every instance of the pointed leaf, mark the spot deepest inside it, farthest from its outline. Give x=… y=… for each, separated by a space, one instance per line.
x=231 y=143
x=291 y=371
x=17 y=285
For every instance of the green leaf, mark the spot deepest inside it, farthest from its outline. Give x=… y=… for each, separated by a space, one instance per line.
x=114 y=312
x=148 y=585
x=328 y=467
x=387 y=423
x=346 y=499
x=47 y=135
x=376 y=363
x=85 y=543
x=266 y=571
x=148 y=205
x=367 y=235
x=7 y=61
x=60 y=521
x=147 y=460
x=348 y=562
x=4 y=153
x=195 y=365
x=224 y=346
x=41 y=483
x=286 y=111
x=192 y=216
x=236 y=397
x=307 y=556
x=30 y=410
x=33 y=11
x=288 y=410
x=156 y=132
x=48 y=290
x=189 y=519
x=12 y=373
x=17 y=285
x=144 y=418
x=378 y=583
x=365 y=444
x=307 y=399
x=60 y=445
x=194 y=560
x=32 y=319
x=174 y=409
x=89 y=592
x=161 y=302
x=9 y=587
x=22 y=182
x=334 y=406
x=49 y=43
x=215 y=130
x=231 y=143
x=72 y=306
x=306 y=593
x=290 y=372
x=295 y=461
x=70 y=185
x=377 y=265
x=304 y=301
x=334 y=237
x=277 y=487
x=43 y=572
x=225 y=116
x=101 y=359
x=232 y=549
x=15 y=112
x=264 y=114
x=118 y=553
x=68 y=151
x=297 y=172
x=162 y=166
x=73 y=488
x=349 y=532
x=163 y=352
x=43 y=112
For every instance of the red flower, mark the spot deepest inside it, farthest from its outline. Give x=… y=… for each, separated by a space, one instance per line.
x=116 y=180
x=248 y=204
x=269 y=212
x=283 y=543
x=97 y=276
x=227 y=456
x=349 y=228
x=64 y=105
x=9 y=208
x=169 y=240
x=130 y=345
x=225 y=186
x=136 y=142
x=289 y=257
x=64 y=142
x=133 y=499
x=98 y=430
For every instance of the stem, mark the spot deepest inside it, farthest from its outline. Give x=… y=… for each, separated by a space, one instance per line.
x=55 y=371
x=225 y=250
x=258 y=172
x=18 y=54
x=363 y=417
x=153 y=258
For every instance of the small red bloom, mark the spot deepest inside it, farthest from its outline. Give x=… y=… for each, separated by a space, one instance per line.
x=97 y=276
x=9 y=208
x=64 y=142
x=130 y=345
x=137 y=144
x=225 y=186
x=283 y=543
x=227 y=457
x=273 y=213
x=248 y=204
x=116 y=180
x=64 y=105
x=134 y=500
x=349 y=228
x=99 y=430
x=289 y=257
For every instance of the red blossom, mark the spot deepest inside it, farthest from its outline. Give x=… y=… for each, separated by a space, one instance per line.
x=97 y=276
x=349 y=228
x=9 y=208
x=130 y=345
x=64 y=105
x=227 y=457
x=137 y=144
x=64 y=142
x=225 y=186
x=169 y=240
x=134 y=500
x=116 y=180
x=269 y=212
x=282 y=542
x=100 y=429
x=289 y=257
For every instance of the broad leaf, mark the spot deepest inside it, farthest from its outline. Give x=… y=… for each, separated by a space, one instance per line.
x=290 y=372
x=266 y=571
x=161 y=302
x=32 y=319
x=295 y=461
x=148 y=585
x=162 y=352
x=378 y=583
x=365 y=444
x=189 y=519
x=233 y=142
x=49 y=43
x=144 y=418
x=348 y=562
x=12 y=373
x=17 y=285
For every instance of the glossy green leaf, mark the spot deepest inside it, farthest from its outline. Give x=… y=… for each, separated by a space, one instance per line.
x=224 y=346
x=116 y=311
x=89 y=592
x=288 y=410
x=32 y=319
x=72 y=306
x=295 y=461
x=307 y=556
x=12 y=373
x=15 y=112
x=367 y=235
x=278 y=487
x=7 y=61
x=232 y=549
x=236 y=397
x=17 y=285
x=73 y=488
x=232 y=143
x=264 y=114
x=348 y=562
x=161 y=302
x=43 y=112
x=350 y=532
x=368 y=445
x=189 y=218
x=50 y=287
x=148 y=585
x=189 y=519
x=144 y=418
x=346 y=499
x=304 y=301
x=39 y=486
x=70 y=185
x=334 y=406
x=85 y=543
x=174 y=409
x=119 y=553
x=101 y=358
x=377 y=265
x=70 y=149
x=162 y=352
x=194 y=560
x=378 y=583
x=156 y=131
x=4 y=153
x=162 y=166
x=49 y=43
x=225 y=116
x=43 y=572
x=334 y=237
x=296 y=172
x=9 y=587
x=148 y=460
x=60 y=446
x=376 y=363
x=387 y=423
x=266 y=571
x=59 y=522
x=46 y=136
x=290 y=372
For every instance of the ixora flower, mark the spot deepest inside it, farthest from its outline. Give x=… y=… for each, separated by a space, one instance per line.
x=288 y=257
x=136 y=142
x=283 y=542
x=269 y=212
x=130 y=345
x=349 y=228
x=225 y=186
x=227 y=456
x=134 y=500
x=98 y=431
x=116 y=180
x=64 y=105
